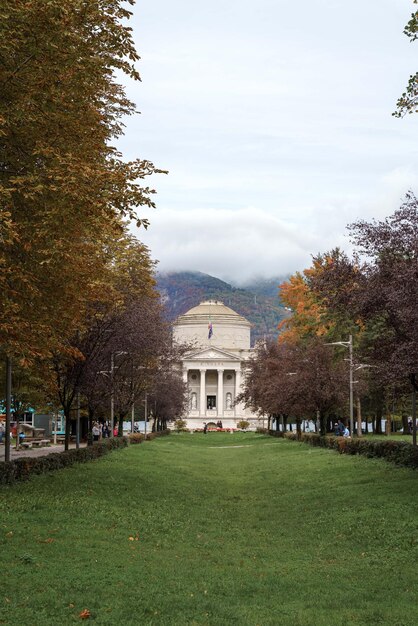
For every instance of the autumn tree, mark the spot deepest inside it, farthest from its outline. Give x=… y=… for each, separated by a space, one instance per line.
x=167 y=397
x=302 y=380
x=379 y=289
x=120 y=324
x=307 y=317
x=63 y=185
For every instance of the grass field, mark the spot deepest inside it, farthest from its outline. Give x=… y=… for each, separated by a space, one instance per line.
x=218 y=529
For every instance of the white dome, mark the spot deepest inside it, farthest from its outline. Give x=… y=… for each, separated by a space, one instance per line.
x=230 y=330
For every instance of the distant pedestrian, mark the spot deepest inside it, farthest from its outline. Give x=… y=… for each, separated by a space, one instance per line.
x=339 y=429
x=205 y=428
x=95 y=431
x=346 y=433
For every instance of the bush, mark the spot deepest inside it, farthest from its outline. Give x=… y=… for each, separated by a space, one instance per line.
x=180 y=426
x=136 y=438
x=24 y=468
x=399 y=452
x=243 y=424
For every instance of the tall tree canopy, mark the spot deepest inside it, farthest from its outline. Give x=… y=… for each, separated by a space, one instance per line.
x=64 y=187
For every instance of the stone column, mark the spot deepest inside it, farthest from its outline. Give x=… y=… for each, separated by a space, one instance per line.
x=238 y=407
x=203 y=393
x=220 y=393
x=185 y=380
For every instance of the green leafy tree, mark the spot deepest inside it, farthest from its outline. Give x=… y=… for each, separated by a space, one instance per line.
x=408 y=102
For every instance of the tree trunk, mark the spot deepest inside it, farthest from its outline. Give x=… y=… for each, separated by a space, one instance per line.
x=90 y=426
x=298 y=429
x=120 y=423
x=379 y=415
x=67 y=430
x=17 y=419
x=359 y=419
x=322 y=424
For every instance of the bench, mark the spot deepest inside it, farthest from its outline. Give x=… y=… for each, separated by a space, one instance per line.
x=26 y=444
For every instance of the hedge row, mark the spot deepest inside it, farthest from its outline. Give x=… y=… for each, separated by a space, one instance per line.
x=24 y=467
x=140 y=437
x=399 y=452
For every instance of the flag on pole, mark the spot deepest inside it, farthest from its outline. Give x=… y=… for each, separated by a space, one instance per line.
x=210 y=330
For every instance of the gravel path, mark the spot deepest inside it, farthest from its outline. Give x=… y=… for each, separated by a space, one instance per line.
x=34 y=452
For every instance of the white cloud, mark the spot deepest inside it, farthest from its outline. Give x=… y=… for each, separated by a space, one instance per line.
x=285 y=107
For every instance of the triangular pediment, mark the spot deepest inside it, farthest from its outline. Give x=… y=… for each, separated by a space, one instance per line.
x=212 y=354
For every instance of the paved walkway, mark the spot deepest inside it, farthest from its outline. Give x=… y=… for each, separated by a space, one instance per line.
x=34 y=452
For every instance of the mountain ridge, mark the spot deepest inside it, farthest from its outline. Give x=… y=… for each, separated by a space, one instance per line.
x=181 y=291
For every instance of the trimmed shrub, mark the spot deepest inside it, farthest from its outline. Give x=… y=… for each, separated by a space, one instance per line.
x=24 y=467
x=136 y=437
x=180 y=426
x=399 y=452
x=158 y=433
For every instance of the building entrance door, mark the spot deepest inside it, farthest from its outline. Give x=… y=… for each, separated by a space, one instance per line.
x=211 y=402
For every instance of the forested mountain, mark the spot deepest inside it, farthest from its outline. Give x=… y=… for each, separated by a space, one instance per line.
x=183 y=290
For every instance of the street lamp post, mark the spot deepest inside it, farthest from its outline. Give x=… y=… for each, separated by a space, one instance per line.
x=8 y=408
x=348 y=344
x=146 y=417
x=132 y=418
x=414 y=383
x=112 y=394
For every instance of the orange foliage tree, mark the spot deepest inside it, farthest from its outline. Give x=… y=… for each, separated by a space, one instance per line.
x=63 y=187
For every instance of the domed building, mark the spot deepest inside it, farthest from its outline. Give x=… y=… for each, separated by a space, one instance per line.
x=214 y=370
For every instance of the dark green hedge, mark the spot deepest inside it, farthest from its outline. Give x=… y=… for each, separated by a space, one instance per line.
x=24 y=467
x=399 y=452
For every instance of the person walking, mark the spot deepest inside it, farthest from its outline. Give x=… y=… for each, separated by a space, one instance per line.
x=95 y=431
x=205 y=428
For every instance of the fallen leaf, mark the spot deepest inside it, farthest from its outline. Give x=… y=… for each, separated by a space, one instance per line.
x=85 y=614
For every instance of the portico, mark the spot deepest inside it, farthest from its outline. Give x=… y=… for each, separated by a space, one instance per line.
x=214 y=371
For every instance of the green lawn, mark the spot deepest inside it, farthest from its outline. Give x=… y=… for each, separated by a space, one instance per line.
x=184 y=530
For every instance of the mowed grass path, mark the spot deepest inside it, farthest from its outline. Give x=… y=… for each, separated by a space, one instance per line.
x=183 y=530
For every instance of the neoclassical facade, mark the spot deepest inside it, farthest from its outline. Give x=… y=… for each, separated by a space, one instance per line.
x=214 y=371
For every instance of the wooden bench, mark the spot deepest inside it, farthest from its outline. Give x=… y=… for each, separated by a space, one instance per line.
x=37 y=443
x=26 y=444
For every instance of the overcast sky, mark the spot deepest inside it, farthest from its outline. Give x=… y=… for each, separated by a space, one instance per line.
x=274 y=121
